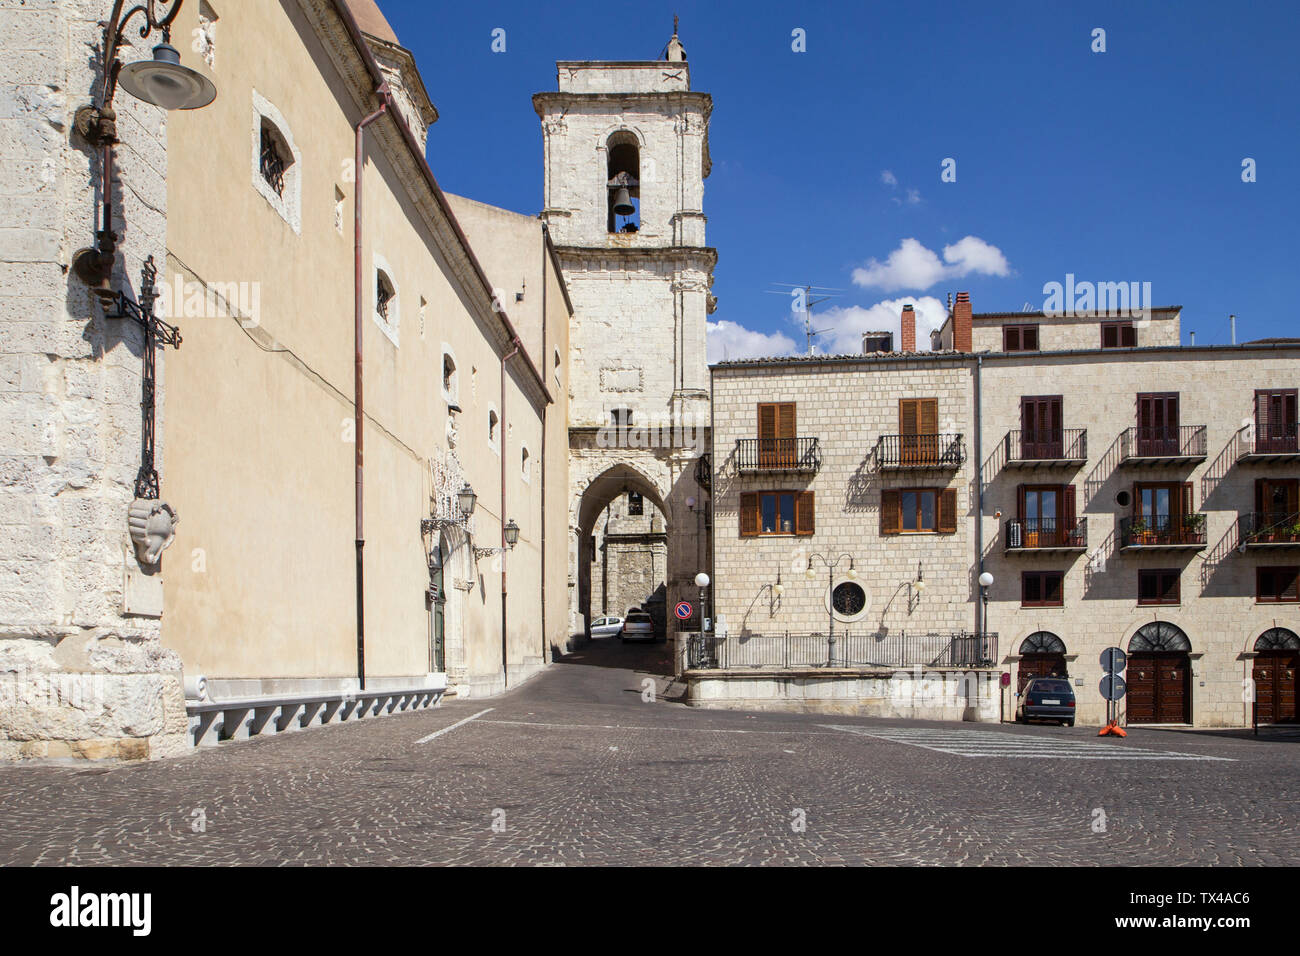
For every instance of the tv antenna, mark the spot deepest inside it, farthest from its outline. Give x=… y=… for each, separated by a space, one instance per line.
x=803 y=296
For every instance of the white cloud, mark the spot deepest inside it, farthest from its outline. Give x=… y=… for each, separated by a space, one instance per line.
x=848 y=324
x=731 y=340
x=913 y=266
x=888 y=178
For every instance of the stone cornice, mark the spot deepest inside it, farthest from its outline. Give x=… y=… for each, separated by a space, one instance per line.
x=705 y=254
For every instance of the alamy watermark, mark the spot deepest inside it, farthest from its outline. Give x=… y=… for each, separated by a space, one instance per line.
x=1071 y=299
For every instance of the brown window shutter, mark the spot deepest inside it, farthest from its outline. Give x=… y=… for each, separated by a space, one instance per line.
x=804 y=513
x=948 y=510
x=767 y=421
x=1187 y=498
x=889 y=519
x=1109 y=337
x=1069 y=508
x=1029 y=339
x=1010 y=338
x=1262 y=401
x=749 y=517
x=1020 y=503
x=908 y=416
x=785 y=422
x=929 y=416
x=1128 y=336
x=1293 y=496
x=1259 y=496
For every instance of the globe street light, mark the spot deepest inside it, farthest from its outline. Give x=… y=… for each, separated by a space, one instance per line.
x=811 y=574
x=986 y=582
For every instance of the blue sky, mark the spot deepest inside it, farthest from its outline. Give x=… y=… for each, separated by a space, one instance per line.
x=1117 y=166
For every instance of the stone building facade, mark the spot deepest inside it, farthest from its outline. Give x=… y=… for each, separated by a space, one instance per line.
x=625 y=152
x=1143 y=494
x=270 y=240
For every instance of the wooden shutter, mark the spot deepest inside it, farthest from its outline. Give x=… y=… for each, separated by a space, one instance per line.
x=1069 y=516
x=785 y=426
x=1128 y=336
x=749 y=515
x=1029 y=338
x=929 y=415
x=889 y=516
x=1260 y=497
x=1020 y=503
x=767 y=420
x=909 y=415
x=1010 y=338
x=948 y=510
x=1185 y=499
x=1109 y=336
x=804 y=513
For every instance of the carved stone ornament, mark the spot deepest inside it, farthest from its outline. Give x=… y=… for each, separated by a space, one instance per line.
x=153 y=528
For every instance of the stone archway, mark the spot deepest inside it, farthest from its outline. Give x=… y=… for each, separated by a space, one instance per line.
x=643 y=552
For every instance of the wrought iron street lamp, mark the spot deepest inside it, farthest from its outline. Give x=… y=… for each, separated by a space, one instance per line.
x=511 y=534
x=986 y=582
x=811 y=574
x=466 y=499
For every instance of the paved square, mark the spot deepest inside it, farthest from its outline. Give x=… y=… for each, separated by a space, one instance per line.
x=992 y=743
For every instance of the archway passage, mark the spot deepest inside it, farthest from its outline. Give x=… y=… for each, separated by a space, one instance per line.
x=1277 y=659
x=1159 y=675
x=622 y=548
x=1042 y=654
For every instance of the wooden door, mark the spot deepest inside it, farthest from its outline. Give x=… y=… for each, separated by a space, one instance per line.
x=1157 y=432
x=1040 y=665
x=1041 y=435
x=918 y=426
x=776 y=435
x=1275 y=679
x=1159 y=688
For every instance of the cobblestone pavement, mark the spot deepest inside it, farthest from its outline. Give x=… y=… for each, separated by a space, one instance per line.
x=575 y=768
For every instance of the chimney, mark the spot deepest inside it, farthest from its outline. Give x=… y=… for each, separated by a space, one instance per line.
x=961 y=323
x=908 y=329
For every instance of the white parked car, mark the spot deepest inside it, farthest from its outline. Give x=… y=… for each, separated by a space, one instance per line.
x=606 y=626
x=638 y=627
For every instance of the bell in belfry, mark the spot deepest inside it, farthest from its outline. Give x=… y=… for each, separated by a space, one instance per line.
x=623 y=202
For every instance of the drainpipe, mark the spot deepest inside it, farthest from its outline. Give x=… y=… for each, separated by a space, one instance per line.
x=979 y=491
x=545 y=409
x=505 y=654
x=358 y=284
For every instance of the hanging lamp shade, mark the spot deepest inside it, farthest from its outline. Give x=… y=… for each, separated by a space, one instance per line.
x=164 y=81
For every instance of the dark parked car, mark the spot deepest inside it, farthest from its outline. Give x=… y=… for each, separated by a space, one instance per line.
x=1046 y=698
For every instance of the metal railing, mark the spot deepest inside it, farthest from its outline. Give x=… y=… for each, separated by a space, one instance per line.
x=1273 y=439
x=1269 y=528
x=1162 y=531
x=1184 y=441
x=1047 y=533
x=778 y=454
x=851 y=649
x=1061 y=444
x=921 y=451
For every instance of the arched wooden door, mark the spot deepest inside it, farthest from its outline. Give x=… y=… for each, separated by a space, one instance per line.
x=1042 y=654
x=1159 y=675
x=1276 y=662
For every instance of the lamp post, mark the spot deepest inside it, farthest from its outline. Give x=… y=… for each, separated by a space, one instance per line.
x=811 y=574
x=986 y=582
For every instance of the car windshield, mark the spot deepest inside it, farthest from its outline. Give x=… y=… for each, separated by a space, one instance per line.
x=638 y=618
x=1051 y=687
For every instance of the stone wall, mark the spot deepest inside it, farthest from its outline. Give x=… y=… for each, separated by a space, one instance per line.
x=82 y=673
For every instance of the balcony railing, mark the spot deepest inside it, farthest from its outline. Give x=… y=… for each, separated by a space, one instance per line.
x=921 y=451
x=1278 y=442
x=855 y=649
x=1185 y=443
x=1163 y=531
x=1269 y=529
x=778 y=454
x=1047 y=534
x=1059 y=447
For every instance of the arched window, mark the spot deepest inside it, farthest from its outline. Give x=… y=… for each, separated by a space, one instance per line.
x=1159 y=636
x=277 y=163
x=494 y=429
x=386 y=299
x=450 y=378
x=623 y=183
x=523 y=464
x=1277 y=639
x=1042 y=642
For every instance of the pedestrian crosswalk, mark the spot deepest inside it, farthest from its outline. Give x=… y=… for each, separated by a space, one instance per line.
x=995 y=743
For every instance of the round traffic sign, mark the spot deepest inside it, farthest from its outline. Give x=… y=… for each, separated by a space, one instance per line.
x=683 y=610
x=1113 y=687
x=1113 y=660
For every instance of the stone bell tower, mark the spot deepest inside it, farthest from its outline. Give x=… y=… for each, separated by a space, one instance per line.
x=626 y=151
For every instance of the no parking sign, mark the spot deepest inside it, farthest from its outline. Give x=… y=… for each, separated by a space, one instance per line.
x=683 y=610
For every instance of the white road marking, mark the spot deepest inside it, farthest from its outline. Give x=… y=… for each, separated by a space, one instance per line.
x=992 y=743
x=670 y=729
x=439 y=733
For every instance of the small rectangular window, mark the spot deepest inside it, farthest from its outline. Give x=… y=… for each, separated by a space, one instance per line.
x=1277 y=585
x=635 y=503
x=1118 y=335
x=1041 y=588
x=776 y=513
x=1158 y=586
x=1020 y=338
x=918 y=511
